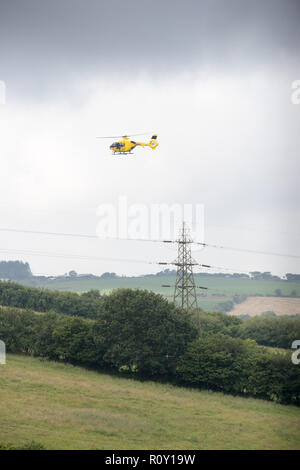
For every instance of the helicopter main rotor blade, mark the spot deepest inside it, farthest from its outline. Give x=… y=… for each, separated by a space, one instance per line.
x=143 y=133
x=119 y=136
x=109 y=137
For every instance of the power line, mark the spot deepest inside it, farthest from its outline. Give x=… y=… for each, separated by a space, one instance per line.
x=180 y=265
x=252 y=229
x=97 y=258
x=246 y=250
x=89 y=236
x=71 y=256
x=94 y=258
x=185 y=287
x=84 y=257
x=59 y=234
x=81 y=235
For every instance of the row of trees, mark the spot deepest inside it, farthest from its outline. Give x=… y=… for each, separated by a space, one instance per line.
x=142 y=333
x=292 y=277
x=138 y=331
x=221 y=363
x=44 y=300
x=278 y=331
x=18 y=270
x=275 y=331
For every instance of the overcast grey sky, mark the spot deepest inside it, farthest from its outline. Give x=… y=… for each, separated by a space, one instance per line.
x=212 y=78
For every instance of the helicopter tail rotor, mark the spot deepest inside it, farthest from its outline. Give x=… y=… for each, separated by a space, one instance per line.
x=153 y=142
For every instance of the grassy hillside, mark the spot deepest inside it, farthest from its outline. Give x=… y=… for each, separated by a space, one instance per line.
x=66 y=407
x=220 y=289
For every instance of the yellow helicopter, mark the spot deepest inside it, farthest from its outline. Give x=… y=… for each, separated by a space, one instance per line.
x=126 y=145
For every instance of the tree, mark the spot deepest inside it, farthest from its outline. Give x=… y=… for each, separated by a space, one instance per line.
x=73 y=274
x=108 y=276
x=141 y=331
x=18 y=329
x=255 y=275
x=226 y=306
x=278 y=331
x=215 y=362
x=14 y=270
x=73 y=341
x=266 y=275
x=231 y=365
x=268 y=313
x=292 y=277
x=44 y=300
x=215 y=322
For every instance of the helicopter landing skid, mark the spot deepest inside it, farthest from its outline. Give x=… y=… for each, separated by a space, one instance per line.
x=122 y=153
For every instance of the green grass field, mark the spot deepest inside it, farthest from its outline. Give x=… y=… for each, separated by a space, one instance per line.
x=66 y=407
x=220 y=289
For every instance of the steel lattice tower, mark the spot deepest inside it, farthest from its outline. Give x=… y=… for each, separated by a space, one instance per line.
x=185 y=289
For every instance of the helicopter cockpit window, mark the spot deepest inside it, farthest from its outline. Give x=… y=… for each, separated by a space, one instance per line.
x=118 y=145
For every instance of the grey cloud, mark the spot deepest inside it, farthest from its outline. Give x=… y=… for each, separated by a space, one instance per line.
x=43 y=41
x=238 y=145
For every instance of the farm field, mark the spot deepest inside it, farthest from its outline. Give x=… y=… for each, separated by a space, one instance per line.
x=67 y=407
x=257 y=305
x=219 y=289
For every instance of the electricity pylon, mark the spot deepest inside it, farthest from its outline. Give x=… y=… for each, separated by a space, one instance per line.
x=185 y=289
